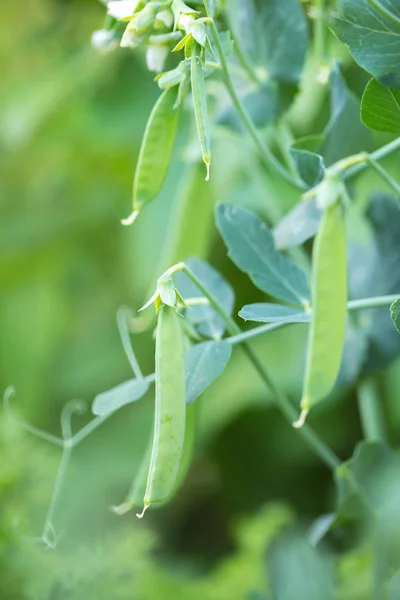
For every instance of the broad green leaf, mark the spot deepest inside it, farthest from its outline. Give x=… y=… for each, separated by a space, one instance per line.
x=373 y=271
x=394 y=587
x=369 y=485
x=371 y=30
x=124 y=393
x=265 y=312
x=204 y=318
x=204 y=363
x=309 y=163
x=380 y=107
x=255 y=24
x=251 y=247
x=395 y=314
x=298 y=225
x=297 y=570
x=344 y=134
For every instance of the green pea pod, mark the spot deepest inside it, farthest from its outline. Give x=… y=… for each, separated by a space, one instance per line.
x=170 y=413
x=200 y=105
x=134 y=498
x=156 y=151
x=329 y=298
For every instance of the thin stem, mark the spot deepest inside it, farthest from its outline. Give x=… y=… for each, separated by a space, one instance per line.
x=376 y=302
x=320 y=31
x=122 y=323
x=282 y=401
x=58 y=485
x=370 y=409
x=384 y=174
x=268 y=158
x=382 y=152
x=242 y=58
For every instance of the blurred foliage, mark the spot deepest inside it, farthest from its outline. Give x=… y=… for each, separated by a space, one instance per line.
x=71 y=123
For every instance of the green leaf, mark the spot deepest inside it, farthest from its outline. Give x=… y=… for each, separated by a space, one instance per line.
x=373 y=271
x=380 y=107
x=263 y=106
x=207 y=322
x=124 y=393
x=368 y=483
x=299 y=571
x=344 y=134
x=265 y=312
x=204 y=363
x=251 y=247
x=255 y=24
x=371 y=30
x=395 y=314
x=309 y=163
x=298 y=225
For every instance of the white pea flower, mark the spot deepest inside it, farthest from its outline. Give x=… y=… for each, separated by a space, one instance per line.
x=122 y=9
x=156 y=55
x=104 y=41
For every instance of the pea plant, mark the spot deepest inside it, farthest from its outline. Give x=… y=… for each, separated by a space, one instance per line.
x=262 y=70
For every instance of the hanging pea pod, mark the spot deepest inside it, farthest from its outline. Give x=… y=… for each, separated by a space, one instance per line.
x=329 y=299
x=200 y=105
x=156 y=151
x=134 y=498
x=170 y=413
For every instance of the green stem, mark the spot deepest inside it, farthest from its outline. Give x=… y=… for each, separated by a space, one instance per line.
x=382 y=152
x=242 y=58
x=282 y=401
x=267 y=156
x=370 y=409
x=320 y=31
x=375 y=302
x=383 y=174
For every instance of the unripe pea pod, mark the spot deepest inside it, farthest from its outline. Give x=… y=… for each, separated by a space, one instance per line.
x=200 y=105
x=170 y=411
x=156 y=151
x=328 y=305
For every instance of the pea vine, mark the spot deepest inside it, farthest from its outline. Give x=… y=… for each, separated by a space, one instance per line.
x=195 y=329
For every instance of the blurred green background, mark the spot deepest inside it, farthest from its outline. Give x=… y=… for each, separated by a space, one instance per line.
x=71 y=123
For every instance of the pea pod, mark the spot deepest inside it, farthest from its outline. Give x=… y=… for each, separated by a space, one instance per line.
x=156 y=151
x=169 y=422
x=134 y=498
x=329 y=298
x=200 y=105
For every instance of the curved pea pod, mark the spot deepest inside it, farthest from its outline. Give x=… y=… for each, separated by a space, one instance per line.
x=170 y=412
x=200 y=105
x=156 y=151
x=329 y=299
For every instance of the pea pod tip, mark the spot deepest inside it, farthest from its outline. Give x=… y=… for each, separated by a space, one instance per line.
x=131 y=219
x=302 y=419
x=141 y=515
x=207 y=163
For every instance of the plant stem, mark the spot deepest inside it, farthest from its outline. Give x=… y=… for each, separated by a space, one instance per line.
x=320 y=31
x=375 y=302
x=382 y=152
x=267 y=156
x=282 y=401
x=371 y=414
x=384 y=174
x=243 y=59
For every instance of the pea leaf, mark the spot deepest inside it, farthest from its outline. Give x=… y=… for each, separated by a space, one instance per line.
x=298 y=570
x=207 y=322
x=265 y=312
x=309 y=163
x=372 y=34
x=124 y=393
x=251 y=247
x=373 y=271
x=368 y=483
x=298 y=225
x=344 y=134
x=395 y=314
x=255 y=23
x=380 y=107
x=204 y=363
